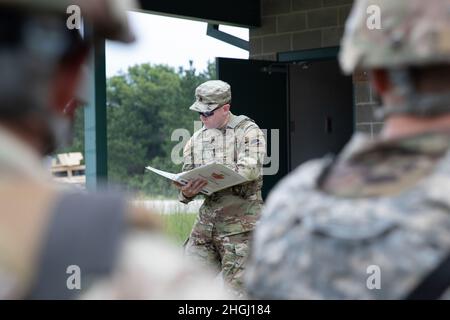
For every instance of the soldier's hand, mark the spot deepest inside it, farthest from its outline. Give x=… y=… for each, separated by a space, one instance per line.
x=192 y=188
x=141 y=218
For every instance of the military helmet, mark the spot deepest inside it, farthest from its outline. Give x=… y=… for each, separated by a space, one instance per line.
x=36 y=38
x=396 y=33
x=108 y=18
x=399 y=36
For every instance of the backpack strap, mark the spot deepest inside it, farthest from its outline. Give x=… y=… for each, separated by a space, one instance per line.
x=434 y=285
x=85 y=231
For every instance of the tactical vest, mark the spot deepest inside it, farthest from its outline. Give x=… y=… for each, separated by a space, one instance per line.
x=82 y=241
x=251 y=189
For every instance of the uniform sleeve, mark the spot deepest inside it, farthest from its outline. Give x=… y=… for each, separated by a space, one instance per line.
x=251 y=150
x=188 y=158
x=188 y=164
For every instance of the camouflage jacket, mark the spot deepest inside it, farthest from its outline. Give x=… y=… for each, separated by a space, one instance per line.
x=381 y=206
x=240 y=146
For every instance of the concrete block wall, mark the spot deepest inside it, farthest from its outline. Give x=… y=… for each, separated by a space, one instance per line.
x=292 y=25
x=366 y=102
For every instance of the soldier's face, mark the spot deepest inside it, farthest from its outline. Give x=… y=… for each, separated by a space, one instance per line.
x=218 y=119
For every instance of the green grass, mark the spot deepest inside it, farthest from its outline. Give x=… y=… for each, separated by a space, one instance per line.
x=178 y=225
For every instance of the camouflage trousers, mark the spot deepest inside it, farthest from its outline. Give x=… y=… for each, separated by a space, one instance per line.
x=221 y=236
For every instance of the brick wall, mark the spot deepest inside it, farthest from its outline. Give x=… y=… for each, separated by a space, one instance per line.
x=291 y=25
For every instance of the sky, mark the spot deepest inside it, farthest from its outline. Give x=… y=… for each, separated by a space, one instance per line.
x=172 y=41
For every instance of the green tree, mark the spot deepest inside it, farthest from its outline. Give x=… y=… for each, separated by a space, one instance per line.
x=144 y=106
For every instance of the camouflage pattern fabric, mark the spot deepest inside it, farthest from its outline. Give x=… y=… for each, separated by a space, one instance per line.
x=107 y=17
x=221 y=234
x=411 y=32
x=381 y=204
x=210 y=95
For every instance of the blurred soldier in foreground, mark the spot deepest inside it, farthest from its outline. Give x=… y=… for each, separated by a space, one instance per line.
x=54 y=244
x=374 y=223
x=221 y=234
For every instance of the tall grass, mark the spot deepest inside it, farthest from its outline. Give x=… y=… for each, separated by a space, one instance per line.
x=178 y=225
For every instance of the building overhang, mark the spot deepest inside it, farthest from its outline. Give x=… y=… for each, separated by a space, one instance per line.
x=240 y=13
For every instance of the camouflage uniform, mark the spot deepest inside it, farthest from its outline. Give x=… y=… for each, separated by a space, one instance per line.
x=323 y=250
x=380 y=204
x=221 y=234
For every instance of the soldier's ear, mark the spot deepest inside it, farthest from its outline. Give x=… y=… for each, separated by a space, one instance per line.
x=67 y=78
x=380 y=80
x=226 y=107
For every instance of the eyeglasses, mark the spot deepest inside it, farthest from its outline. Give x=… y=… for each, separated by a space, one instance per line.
x=208 y=114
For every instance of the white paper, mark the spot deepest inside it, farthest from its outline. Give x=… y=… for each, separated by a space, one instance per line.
x=218 y=176
x=168 y=175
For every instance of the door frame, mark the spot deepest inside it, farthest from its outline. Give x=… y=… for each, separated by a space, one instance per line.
x=308 y=55
x=265 y=68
